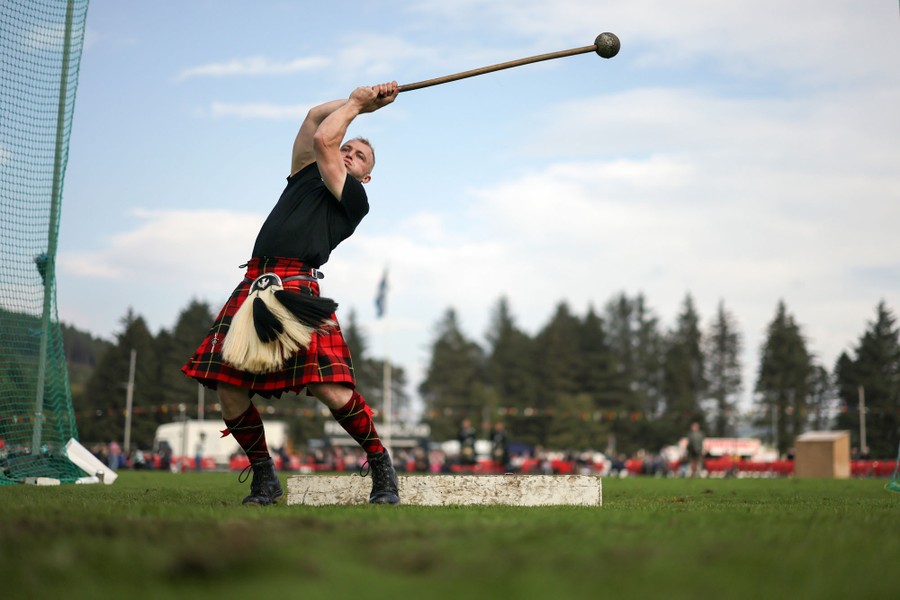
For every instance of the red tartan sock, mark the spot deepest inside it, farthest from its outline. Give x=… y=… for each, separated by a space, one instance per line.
x=356 y=419
x=248 y=430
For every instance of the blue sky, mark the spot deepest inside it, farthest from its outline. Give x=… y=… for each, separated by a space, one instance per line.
x=743 y=152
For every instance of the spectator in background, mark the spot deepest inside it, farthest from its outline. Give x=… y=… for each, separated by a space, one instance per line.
x=138 y=460
x=285 y=459
x=500 y=446
x=113 y=455
x=617 y=466
x=466 y=436
x=198 y=456
x=421 y=458
x=165 y=456
x=695 y=441
x=420 y=463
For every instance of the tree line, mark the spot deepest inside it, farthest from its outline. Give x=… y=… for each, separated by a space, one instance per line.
x=617 y=381
x=614 y=379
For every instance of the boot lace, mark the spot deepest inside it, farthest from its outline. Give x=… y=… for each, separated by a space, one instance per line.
x=382 y=474
x=255 y=483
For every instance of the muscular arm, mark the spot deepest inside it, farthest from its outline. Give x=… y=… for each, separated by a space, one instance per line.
x=330 y=132
x=327 y=145
x=303 y=154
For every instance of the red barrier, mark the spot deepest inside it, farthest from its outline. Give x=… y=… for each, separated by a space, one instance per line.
x=726 y=464
x=780 y=468
x=872 y=468
x=858 y=468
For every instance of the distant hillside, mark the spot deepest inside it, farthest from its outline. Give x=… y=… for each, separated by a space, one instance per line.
x=83 y=352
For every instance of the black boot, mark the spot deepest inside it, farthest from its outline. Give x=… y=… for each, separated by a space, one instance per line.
x=384 y=479
x=265 y=489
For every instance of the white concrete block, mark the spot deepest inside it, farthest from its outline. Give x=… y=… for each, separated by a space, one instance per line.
x=446 y=490
x=41 y=481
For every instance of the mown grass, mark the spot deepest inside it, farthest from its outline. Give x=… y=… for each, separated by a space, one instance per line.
x=160 y=535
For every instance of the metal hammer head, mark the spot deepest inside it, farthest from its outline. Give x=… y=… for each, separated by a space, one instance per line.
x=607 y=44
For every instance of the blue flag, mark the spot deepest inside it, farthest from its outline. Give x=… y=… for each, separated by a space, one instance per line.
x=381 y=297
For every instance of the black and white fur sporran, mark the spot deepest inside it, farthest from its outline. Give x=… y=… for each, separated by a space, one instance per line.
x=273 y=324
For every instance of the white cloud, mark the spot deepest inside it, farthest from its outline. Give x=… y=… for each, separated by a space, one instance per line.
x=379 y=56
x=259 y=110
x=200 y=246
x=255 y=65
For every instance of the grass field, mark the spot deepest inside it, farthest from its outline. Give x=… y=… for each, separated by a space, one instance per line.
x=160 y=535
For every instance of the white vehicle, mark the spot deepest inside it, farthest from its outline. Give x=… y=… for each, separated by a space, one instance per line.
x=189 y=438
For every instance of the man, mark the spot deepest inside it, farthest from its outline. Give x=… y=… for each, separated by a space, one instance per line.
x=467 y=437
x=500 y=446
x=694 y=449
x=264 y=340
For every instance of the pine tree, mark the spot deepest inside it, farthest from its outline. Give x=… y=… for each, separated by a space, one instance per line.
x=83 y=352
x=822 y=397
x=511 y=369
x=649 y=359
x=783 y=380
x=454 y=386
x=874 y=369
x=106 y=390
x=600 y=378
x=173 y=349
x=571 y=426
x=685 y=383
x=559 y=370
x=369 y=373
x=602 y=383
x=619 y=318
x=722 y=351
x=635 y=340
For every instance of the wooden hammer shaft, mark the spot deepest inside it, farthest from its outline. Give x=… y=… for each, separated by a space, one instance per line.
x=497 y=67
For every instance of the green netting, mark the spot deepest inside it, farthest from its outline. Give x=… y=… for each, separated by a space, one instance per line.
x=40 y=52
x=893 y=483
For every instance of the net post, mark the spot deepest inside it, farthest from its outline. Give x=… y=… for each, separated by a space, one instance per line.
x=53 y=229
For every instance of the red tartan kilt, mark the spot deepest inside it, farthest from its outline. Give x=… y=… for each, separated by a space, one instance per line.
x=326 y=360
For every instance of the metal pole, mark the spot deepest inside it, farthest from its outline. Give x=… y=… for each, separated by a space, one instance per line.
x=388 y=401
x=200 y=403
x=182 y=408
x=386 y=370
x=775 y=426
x=52 y=233
x=862 y=421
x=129 y=398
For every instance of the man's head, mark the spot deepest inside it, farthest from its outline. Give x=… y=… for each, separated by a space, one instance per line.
x=359 y=158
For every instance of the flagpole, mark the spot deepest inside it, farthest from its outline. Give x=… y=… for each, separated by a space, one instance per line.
x=386 y=434
x=386 y=370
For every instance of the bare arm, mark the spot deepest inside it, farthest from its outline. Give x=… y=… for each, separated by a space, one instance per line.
x=330 y=133
x=303 y=154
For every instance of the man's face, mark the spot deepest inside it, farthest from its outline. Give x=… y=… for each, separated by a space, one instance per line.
x=358 y=159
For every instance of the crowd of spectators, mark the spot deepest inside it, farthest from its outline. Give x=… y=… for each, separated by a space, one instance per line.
x=495 y=457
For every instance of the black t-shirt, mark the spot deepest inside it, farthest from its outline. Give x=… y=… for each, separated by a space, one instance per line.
x=308 y=222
